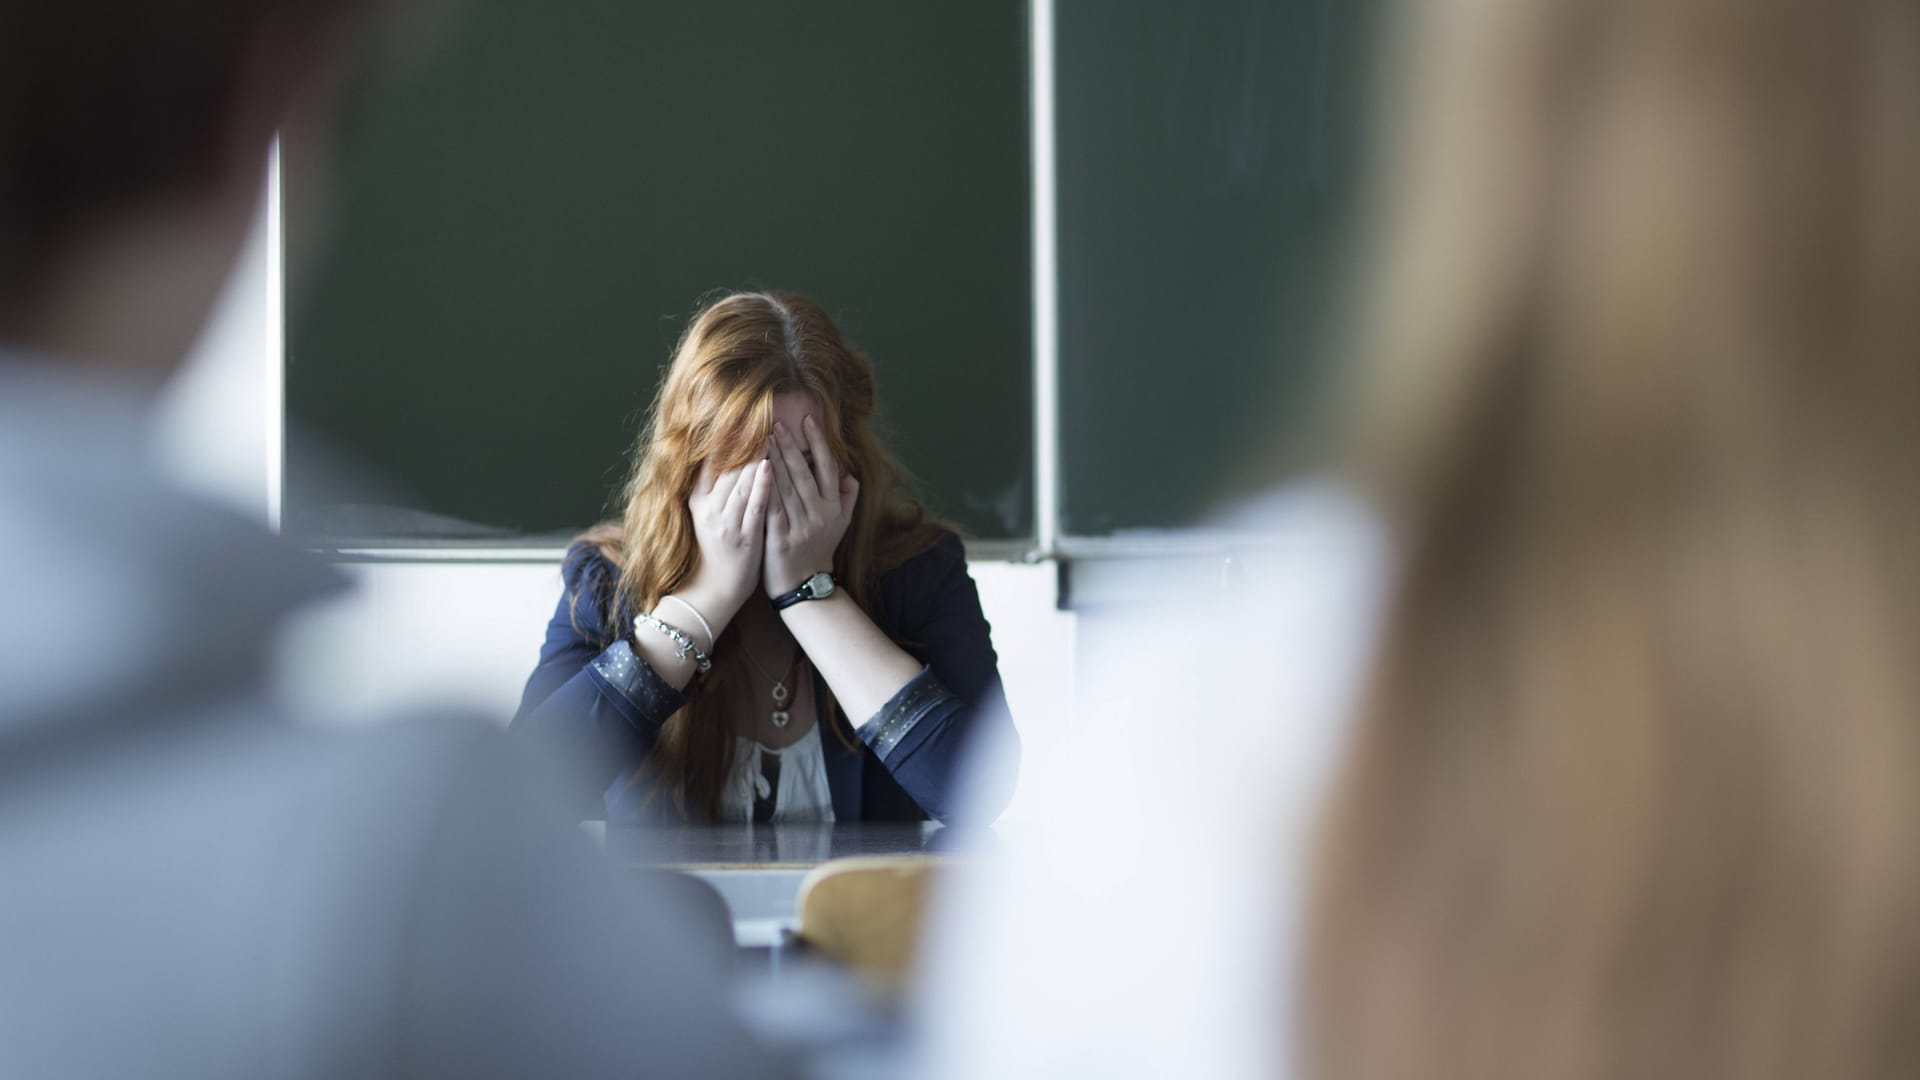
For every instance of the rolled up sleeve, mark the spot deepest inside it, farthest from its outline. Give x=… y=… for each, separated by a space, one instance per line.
x=598 y=707
x=889 y=732
x=925 y=733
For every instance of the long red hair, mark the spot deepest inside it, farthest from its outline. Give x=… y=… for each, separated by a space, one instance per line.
x=716 y=406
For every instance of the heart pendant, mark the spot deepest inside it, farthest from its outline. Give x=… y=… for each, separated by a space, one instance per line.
x=780 y=717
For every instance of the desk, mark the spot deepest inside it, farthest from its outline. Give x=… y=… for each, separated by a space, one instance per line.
x=757 y=869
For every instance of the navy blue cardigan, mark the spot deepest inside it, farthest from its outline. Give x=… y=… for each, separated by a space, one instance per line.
x=599 y=704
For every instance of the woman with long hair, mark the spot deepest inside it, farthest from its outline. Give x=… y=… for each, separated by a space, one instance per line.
x=774 y=630
x=1636 y=787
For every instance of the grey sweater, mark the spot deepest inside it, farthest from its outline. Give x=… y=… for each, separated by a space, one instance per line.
x=193 y=884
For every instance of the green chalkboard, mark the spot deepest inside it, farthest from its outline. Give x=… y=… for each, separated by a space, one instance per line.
x=522 y=220
x=1206 y=168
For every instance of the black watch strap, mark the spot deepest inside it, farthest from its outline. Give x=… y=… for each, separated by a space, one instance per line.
x=817 y=587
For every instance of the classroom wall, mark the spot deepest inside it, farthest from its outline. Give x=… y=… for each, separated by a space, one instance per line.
x=412 y=634
x=466 y=634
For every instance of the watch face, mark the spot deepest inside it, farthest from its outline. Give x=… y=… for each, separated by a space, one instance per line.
x=820 y=585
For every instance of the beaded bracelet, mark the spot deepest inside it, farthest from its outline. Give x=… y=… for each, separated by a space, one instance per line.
x=697 y=617
x=687 y=648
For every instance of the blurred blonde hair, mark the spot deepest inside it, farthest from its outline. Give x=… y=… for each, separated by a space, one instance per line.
x=1636 y=789
x=716 y=407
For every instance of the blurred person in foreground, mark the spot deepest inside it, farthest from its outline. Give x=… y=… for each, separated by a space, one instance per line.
x=195 y=886
x=1618 y=593
x=1635 y=790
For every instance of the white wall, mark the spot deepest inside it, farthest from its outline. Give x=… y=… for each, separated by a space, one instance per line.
x=466 y=634
x=412 y=634
x=219 y=421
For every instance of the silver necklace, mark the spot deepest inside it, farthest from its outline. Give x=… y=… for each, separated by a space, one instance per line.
x=780 y=716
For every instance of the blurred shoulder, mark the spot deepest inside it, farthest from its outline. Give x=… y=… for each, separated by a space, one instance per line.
x=1305 y=570
x=1312 y=506
x=1292 y=536
x=592 y=580
x=588 y=565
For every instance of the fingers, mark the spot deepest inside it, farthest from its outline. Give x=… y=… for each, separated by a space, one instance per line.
x=753 y=519
x=788 y=494
x=720 y=486
x=849 y=495
x=778 y=495
x=776 y=528
x=734 y=511
x=798 y=473
x=825 y=469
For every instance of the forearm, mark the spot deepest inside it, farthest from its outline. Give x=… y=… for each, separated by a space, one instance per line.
x=861 y=664
x=662 y=653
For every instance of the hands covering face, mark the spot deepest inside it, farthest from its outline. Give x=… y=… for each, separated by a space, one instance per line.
x=811 y=508
x=729 y=512
x=771 y=523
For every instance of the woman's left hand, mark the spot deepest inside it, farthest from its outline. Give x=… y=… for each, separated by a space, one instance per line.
x=810 y=510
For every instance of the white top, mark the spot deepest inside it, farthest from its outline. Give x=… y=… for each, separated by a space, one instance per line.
x=1172 y=827
x=803 y=794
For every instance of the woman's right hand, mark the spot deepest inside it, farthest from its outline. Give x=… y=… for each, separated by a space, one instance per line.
x=729 y=524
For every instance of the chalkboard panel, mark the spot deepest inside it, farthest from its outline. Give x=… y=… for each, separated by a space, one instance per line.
x=1206 y=163
x=523 y=221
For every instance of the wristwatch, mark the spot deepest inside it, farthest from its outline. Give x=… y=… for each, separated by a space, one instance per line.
x=818 y=587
